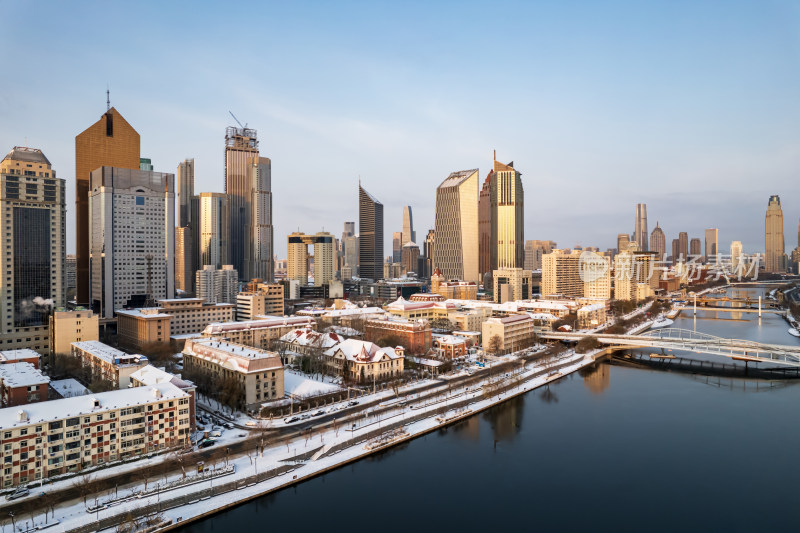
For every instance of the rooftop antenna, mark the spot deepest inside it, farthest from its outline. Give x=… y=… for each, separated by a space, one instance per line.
x=108 y=99
x=494 y=155
x=237 y=120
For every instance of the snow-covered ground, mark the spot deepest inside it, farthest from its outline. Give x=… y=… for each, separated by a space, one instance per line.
x=301 y=386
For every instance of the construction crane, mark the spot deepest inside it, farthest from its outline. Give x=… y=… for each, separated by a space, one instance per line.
x=237 y=120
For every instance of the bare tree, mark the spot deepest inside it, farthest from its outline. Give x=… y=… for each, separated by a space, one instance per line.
x=84 y=486
x=495 y=343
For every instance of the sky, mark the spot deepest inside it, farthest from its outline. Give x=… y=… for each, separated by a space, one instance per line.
x=691 y=107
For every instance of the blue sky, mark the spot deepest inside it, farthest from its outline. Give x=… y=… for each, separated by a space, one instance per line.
x=691 y=107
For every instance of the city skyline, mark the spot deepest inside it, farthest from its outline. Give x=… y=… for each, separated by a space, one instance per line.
x=705 y=138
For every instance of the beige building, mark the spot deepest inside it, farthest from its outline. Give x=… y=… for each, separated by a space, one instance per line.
x=259 y=373
x=136 y=328
x=515 y=332
x=534 y=251
x=456 y=230
x=561 y=274
x=183 y=259
x=67 y=327
x=324 y=257
x=470 y=319
x=774 y=246
x=635 y=275
x=83 y=431
x=217 y=285
x=261 y=333
x=596 y=270
x=214 y=230
x=591 y=316
x=107 y=363
x=364 y=361
x=512 y=284
x=453 y=289
x=413 y=310
x=507 y=216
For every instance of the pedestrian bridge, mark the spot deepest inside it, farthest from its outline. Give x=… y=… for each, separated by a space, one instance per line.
x=693 y=341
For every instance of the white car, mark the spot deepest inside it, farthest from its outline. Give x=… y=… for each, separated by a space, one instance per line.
x=19 y=493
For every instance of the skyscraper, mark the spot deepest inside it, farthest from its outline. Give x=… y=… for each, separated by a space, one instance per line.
x=430 y=245
x=695 y=248
x=297 y=257
x=658 y=242
x=241 y=146
x=712 y=245
x=32 y=222
x=736 y=254
x=370 y=235
x=683 y=249
x=507 y=217
x=110 y=141
x=184 y=274
x=184 y=180
x=640 y=233
x=676 y=250
x=132 y=241
x=186 y=255
x=409 y=235
x=258 y=250
x=349 y=250
x=534 y=250
x=775 y=248
x=622 y=242
x=485 y=227
x=456 y=253
x=214 y=219
x=397 y=246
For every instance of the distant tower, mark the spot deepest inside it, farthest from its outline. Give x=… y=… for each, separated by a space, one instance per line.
x=241 y=147
x=622 y=242
x=370 y=235
x=676 y=250
x=695 y=248
x=712 y=245
x=485 y=227
x=775 y=248
x=507 y=204
x=214 y=219
x=397 y=246
x=658 y=242
x=683 y=246
x=409 y=235
x=736 y=253
x=640 y=233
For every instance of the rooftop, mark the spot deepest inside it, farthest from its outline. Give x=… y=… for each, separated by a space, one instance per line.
x=236 y=357
x=150 y=375
x=260 y=323
x=457 y=178
x=29 y=155
x=17 y=355
x=21 y=375
x=40 y=412
x=110 y=354
x=362 y=351
x=69 y=388
x=145 y=312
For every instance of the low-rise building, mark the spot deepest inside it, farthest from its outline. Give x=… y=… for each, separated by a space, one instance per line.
x=258 y=373
x=68 y=326
x=364 y=361
x=306 y=341
x=22 y=383
x=23 y=355
x=513 y=333
x=470 y=319
x=450 y=346
x=149 y=376
x=262 y=333
x=67 y=388
x=428 y=310
x=106 y=363
x=512 y=284
x=45 y=439
x=413 y=335
x=591 y=316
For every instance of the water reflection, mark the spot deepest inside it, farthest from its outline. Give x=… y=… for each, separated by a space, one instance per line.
x=505 y=420
x=597 y=378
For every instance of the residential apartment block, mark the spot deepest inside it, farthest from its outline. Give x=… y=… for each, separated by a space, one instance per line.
x=107 y=363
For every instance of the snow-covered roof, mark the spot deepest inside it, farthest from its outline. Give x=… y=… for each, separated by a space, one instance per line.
x=401 y=304
x=591 y=308
x=68 y=388
x=354 y=312
x=17 y=355
x=220 y=328
x=150 y=375
x=425 y=362
x=145 y=312
x=543 y=316
x=362 y=351
x=308 y=337
x=42 y=412
x=236 y=357
x=21 y=375
x=110 y=354
x=450 y=339
x=301 y=386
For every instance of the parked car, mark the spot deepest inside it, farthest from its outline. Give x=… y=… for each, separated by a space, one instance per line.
x=352 y=402
x=227 y=425
x=216 y=433
x=206 y=443
x=305 y=416
x=19 y=493
x=290 y=419
x=251 y=423
x=320 y=412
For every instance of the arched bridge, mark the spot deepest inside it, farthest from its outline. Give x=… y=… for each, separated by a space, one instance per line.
x=693 y=341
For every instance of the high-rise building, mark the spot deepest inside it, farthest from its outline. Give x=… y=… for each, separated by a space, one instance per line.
x=635 y=276
x=712 y=245
x=397 y=246
x=658 y=242
x=622 y=241
x=349 y=253
x=534 y=250
x=241 y=148
x=133 y=238
x=775 y=247
x=736 y=254
x=485 y=227
x=507 y=217
x=184 y=180
x=297 y=257
x=184 y=278
x=32 y=222
x=640 y=233
x=110 y=141
x=409 y=235
x=217 y=285
x=370 y=236
x=186 y=236
x=410 y=259
x=258 y=250
x=214 y=219
x=676 y=250
x=683 y=246
x=561 y=274
x=456 y=253
x=430 y=242
x=695 y=248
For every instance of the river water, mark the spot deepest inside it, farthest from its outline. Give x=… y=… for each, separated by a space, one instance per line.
x=611 y=449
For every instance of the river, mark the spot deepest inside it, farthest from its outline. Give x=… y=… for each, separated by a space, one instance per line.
x=612 y=449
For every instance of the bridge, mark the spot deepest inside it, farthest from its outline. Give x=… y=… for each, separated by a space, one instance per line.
x=744 y=302
x=693 y=341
